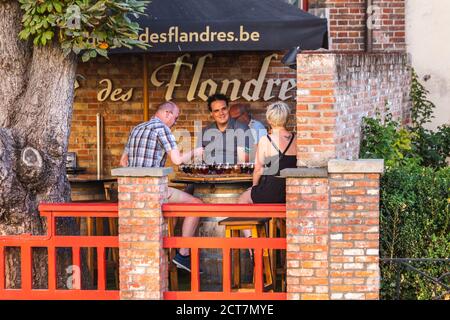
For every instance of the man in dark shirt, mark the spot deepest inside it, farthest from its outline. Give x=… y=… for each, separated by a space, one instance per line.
x=225 y=140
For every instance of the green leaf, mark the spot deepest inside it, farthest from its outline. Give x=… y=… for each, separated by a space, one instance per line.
x=58 y=7
x=36 y=40
x=48 y=35
x=86 y=56
x=24 y=34
x=102 y=52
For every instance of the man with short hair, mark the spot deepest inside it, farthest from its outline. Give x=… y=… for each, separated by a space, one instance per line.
x=148 y=145
x=225 y=140
x=241 y=112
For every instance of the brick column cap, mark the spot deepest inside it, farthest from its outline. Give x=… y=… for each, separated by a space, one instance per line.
x=304 y=173
x=356 y=166
x=141 y=172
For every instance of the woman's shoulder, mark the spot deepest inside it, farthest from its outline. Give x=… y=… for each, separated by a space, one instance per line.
x=264 y=140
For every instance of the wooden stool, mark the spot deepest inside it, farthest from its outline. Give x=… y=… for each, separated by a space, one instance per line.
x=257 y=227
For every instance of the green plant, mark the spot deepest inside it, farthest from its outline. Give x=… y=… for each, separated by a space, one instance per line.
x=432 y=146
x=404 y=146
x=82 y=25
x=386 y=140
x=414 y=223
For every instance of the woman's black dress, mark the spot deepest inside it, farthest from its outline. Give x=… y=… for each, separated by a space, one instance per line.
x=272 y=189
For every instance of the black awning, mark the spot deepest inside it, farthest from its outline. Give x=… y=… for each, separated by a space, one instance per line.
x=218 y=25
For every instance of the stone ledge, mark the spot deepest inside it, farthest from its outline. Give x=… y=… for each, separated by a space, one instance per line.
x=141 y=172
x=356 y=166
x=304 y=173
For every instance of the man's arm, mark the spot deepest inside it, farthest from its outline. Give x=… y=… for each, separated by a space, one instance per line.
x=243 y=152
x=242 y=155
x=170 y=146
x=124 y=160
x=178 y=158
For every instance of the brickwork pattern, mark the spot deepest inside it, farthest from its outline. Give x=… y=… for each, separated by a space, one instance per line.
x=354 y=236
x=348 y=20
x=143 y=261
x=333 y=237
x=390 y=34
x=334 y=93
x=368 y=83
x=307 y=238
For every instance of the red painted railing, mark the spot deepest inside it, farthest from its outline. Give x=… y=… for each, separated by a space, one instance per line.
x=225 y=244
x=52 y=241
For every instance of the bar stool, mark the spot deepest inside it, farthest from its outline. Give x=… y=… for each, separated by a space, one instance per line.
x=257 y=227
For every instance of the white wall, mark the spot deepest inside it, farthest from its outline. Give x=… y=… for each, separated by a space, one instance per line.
x=428 y=42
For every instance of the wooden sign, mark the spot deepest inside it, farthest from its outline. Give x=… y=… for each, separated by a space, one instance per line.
x=251 y=90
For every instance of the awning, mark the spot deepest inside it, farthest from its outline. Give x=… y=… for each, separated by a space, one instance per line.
x=220 y=25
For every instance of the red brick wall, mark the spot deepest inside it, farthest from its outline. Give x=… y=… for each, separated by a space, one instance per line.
x=365 y=84
x=335 y=91
x=347 y=24
x=126 y=71
x=143 y=261
x=354 y=235
x=307 y=238
x=332 y=221
x=390 y=36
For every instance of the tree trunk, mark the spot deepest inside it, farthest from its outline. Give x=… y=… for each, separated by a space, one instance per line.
x=36 y=90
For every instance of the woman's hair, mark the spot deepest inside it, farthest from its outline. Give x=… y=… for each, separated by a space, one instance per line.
x=277 y=114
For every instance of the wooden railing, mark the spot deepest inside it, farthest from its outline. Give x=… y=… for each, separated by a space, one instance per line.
x=51 y=241
x=273 y=211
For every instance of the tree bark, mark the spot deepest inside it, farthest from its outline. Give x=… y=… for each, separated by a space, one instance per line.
x=36 y=90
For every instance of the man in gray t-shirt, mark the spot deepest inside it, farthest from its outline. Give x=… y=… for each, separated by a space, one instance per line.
x=225 y=140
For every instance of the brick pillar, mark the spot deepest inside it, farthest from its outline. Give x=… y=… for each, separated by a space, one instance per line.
x=307 y=206
x=354 y=228
x=332 y=222
x=143 y=262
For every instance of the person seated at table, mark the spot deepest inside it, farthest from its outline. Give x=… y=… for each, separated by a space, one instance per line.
x=276 y=151
x=225 y=140
x=148 y=145
x=241 y=112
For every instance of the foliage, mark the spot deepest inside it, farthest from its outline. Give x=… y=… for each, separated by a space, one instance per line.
x=399 y=146
x=415 y=196
x=387 y=140
x=90 y=27
x=415 y=223
x=432 y=146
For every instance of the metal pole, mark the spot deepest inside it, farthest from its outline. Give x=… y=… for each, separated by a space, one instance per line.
x=99 y=146
x=145 y=86
x=369 y=30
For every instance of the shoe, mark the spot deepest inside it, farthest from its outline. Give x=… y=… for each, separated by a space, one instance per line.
x=183 y=262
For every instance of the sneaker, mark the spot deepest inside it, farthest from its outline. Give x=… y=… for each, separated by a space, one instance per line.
x=183 y=262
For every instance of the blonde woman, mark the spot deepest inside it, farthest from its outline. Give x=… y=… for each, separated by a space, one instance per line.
x=275 y=152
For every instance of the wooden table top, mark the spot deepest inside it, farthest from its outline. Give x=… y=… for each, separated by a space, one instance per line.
x=89 y=178
x=212 y=178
